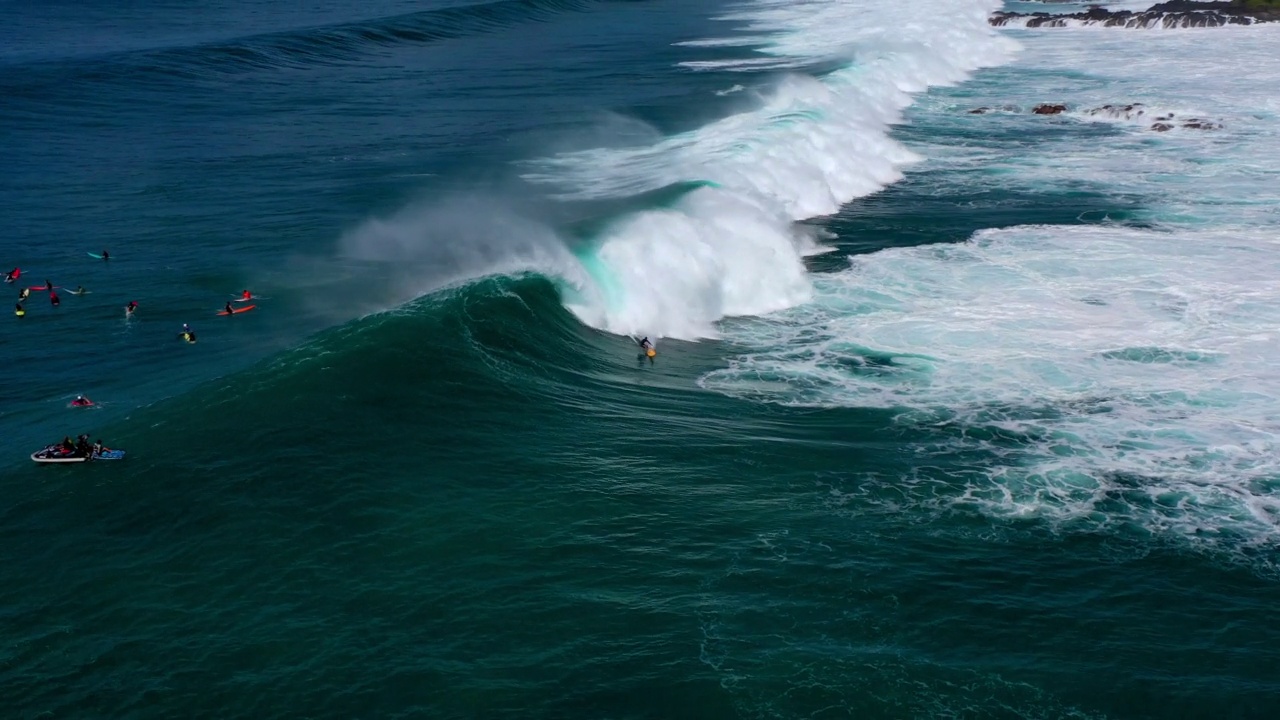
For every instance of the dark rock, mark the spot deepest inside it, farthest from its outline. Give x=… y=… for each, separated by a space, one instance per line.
x=985 y=109
x=1047 y=109
x=1162 y=127
x=1128 y=112
x=1198 y=124
x=1172 y=14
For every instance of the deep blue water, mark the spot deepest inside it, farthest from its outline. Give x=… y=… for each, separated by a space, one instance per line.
x=411 y=483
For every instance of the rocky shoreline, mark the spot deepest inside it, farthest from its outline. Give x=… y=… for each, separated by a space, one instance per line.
x=1172 y=14
x=1133 y=111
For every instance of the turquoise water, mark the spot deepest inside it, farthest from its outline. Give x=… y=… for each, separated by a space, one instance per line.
x=413 y=483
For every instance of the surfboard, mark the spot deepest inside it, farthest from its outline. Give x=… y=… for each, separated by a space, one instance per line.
x=94 y=255
x=83 y=292
x=652 y=353
x=42 y=287
x=237 y=311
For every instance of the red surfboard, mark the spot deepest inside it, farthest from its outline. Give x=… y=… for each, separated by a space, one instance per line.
x=237 y=311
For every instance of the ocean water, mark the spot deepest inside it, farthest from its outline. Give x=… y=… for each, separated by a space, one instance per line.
x=954 y=414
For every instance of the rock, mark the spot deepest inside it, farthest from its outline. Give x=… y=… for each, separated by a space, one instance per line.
x=1172 y=14
x=985 y=109
x=1046 y=109
x=1162 y=127
x=1128 y=112
x=1198 y=124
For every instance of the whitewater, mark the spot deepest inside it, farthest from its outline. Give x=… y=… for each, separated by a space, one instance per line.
x=1115 y=376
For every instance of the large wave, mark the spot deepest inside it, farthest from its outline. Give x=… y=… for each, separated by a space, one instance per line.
x=808 y=144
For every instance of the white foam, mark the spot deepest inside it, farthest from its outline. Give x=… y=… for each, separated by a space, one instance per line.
x=1099 y=366
x=808 y=146
x=1098 y=377
x=1227 y=174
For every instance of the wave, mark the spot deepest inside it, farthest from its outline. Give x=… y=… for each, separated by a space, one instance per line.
x=806 y=145
x=311 y=46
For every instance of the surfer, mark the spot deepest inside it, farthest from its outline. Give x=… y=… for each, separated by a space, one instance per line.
x=54 y=299
x=48 y=285
x=81 y=401
x=106 y=255
x=133 y=305
x=79 y=290
x=19 y=310
x=189 y=336
x=23 y=294
x=245 y=295
x=228 y=309
x=12 y=275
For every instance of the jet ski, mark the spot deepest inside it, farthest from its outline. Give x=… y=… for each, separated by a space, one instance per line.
x=58 y=454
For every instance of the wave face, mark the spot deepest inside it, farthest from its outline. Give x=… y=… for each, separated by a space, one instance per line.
x=806 y=142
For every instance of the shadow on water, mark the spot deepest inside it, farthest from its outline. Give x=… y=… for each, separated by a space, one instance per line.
x=910 y=213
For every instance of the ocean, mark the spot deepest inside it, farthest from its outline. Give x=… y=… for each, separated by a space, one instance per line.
x=958 y=410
